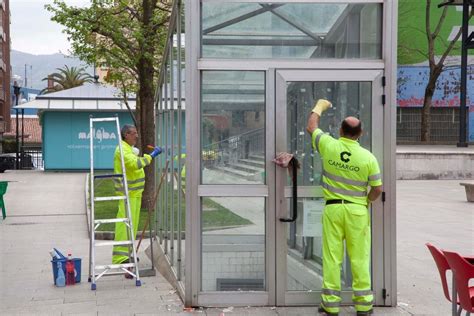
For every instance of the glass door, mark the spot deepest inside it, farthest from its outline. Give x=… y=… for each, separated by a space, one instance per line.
x=299 y=243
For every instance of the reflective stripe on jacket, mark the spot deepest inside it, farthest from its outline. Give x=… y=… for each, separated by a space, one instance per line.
x=134 y=170
x=348 y=168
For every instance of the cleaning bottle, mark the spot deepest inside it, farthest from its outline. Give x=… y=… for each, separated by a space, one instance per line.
x=60 y=280
x=70 y=275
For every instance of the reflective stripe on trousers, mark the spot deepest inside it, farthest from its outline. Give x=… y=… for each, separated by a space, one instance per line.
x=120 y=253
x=331 y=300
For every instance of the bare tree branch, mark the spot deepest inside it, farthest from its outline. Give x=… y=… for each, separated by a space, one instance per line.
x=453 y=42
x=428 y=20
x=440 y=22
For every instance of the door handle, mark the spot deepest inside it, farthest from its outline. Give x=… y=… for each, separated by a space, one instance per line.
x=294 y=177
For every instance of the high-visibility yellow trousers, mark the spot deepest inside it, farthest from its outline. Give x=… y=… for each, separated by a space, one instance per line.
x=120 y=253
x=349 y=222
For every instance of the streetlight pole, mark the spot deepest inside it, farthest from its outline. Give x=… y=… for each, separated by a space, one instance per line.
x=462 y=109
x=16 y=92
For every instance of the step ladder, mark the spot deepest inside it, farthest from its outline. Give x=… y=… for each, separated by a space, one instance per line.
x=98 y=271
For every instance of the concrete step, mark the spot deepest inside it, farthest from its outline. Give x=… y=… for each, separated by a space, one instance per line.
x=236 y=172
x=434 y=163
x=257 y=157
x=246 y=168
x=255 y=163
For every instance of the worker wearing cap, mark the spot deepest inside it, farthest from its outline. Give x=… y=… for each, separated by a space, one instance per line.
x=348 y=171
x=135 y=173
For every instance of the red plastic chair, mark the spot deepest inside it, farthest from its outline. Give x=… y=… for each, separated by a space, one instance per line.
x=463 y=272
x=443 y=266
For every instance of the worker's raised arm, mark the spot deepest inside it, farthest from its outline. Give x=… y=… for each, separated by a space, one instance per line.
x=313 y=123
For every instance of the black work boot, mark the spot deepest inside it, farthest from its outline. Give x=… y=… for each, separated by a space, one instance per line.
x=321 y=310
x=366 y=313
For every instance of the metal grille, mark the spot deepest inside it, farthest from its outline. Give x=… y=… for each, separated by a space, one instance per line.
x=240 y=285
x=31 y=158
x=444 y=125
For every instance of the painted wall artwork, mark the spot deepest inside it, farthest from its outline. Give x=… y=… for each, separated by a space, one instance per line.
x=413 y=70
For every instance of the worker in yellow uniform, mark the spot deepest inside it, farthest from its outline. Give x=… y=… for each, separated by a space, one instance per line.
x=348 y=171
x=135 y=173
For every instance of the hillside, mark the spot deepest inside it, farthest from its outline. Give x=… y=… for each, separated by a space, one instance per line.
x=39 y=66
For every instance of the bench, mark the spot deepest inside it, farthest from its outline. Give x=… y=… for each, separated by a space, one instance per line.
x=469 y=191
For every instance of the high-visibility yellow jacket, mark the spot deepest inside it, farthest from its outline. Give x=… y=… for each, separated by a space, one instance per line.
x=134 y=170
x=348 y=168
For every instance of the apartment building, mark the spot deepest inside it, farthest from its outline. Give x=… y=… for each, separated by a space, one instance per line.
x=5 y=68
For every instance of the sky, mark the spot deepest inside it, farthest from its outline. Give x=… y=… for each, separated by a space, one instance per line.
x=33 y=32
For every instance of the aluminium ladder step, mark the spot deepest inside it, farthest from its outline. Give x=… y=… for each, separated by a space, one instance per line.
x=109 y=198
x=106 y=119
x=105 y=176
x=115 y=266
x=113 y=243
x=111 y=220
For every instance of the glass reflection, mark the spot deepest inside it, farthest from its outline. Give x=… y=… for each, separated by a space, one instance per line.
x=291 y=30
x=233 y=127
x=233 y=244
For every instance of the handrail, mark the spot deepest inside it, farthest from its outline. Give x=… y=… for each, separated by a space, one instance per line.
x=254 y=131
x=232 y=149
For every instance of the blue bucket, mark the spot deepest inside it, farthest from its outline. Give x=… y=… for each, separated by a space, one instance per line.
x=77 y=268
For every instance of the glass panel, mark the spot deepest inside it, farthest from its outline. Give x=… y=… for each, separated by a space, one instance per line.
x=182 y=168
x=349 y=98
x=304 y=260
x=233 y=127
x=291 y=30
x=172 y=132
x=233 y=244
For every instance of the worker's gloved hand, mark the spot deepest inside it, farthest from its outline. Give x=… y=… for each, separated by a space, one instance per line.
x=156 y=152
x=136 y=151
x=321 y=106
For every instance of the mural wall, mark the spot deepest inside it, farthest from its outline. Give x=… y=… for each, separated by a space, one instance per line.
x=413 y=70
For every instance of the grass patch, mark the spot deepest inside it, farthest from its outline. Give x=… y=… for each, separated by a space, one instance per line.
x=108 y=209
x=214 y=215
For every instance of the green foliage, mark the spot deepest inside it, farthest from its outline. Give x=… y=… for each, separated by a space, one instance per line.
x=9 y=145
x=67 y=78
x=128 y=37
x=123 y=35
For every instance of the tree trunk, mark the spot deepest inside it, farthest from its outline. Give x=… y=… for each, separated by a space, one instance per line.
x=147 y=135
x=145 y=111
x=426 y=111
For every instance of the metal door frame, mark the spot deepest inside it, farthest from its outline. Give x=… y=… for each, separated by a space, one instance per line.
x=288 y=298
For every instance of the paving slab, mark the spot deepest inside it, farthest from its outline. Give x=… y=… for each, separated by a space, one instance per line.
x=46 y=210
